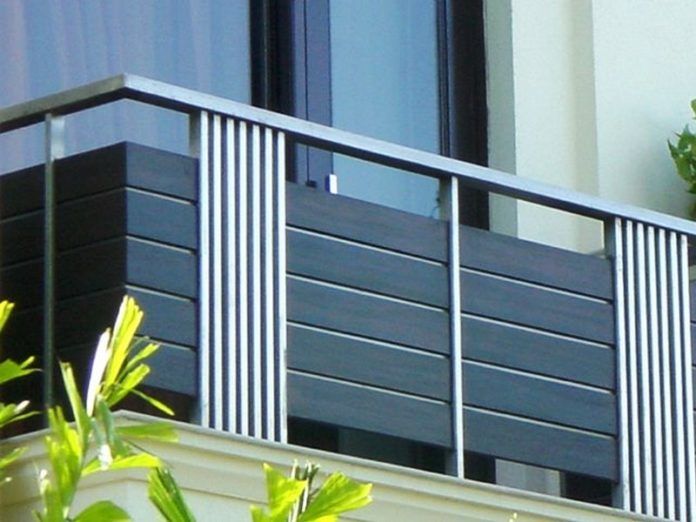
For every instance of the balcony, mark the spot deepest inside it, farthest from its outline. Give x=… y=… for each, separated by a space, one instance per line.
x=285 y=310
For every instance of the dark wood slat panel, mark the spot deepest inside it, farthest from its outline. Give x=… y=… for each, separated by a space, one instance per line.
x=367 y=269
x=537 y=398
x=367 y=409
x=146 y=215
x=366 y=222
x=533 y=262
x=368 y=316
x=532 y=306
x=563 y=358
x=80 y=320
x=540 y=445
x=119 y=165
x=336 y=356
x=173 y=368
x=21 y=239
x=101 y=266
x=101 y=217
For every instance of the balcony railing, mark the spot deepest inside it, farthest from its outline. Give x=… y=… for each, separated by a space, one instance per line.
x=278 y=301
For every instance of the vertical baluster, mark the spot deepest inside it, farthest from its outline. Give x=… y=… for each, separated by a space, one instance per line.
x=269 y=319
x=230 y=237
x=615 y=249
x=666 y=367
x=657 y=471
x=455 y=328
x=281 y=331
x=198 y=145
x=54 y=141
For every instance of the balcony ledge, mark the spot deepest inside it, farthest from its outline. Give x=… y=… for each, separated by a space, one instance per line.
x=221 y=475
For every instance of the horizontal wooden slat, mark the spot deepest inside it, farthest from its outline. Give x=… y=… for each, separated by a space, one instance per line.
x=533 y=351
x=101 y=266
x=100 y=170
x=366 y=222
x=538 y=444
x=533 y=262
x=332 y=355
x=368 y=316
x=80 y=320
x=538 y=398
x=364 y=268
x=537 y=307
x=352 y=406
x=146 y=214
x=103 y=216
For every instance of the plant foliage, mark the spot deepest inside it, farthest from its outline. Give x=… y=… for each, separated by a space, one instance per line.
x=683 y=154
x=292 y=499
x=9 y=371
x=93 y=443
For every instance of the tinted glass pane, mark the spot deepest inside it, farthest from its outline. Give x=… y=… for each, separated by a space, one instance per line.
x=385 y=84
x=51 y=46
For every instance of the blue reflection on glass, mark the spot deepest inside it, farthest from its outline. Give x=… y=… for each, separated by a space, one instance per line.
x=385 y=84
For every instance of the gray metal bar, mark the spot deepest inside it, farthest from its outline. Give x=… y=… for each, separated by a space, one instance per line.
x=54 y=149
x=677 y=361
x=688 y=382
x=215 y=217
x=185 y=100
x=230 y=238
x=268 y=284
x=256 y=310
x=614 y=248
x=456 y=329
x=198 y=145
x=281 y=288
x=655 y=375
x=665 y=367
x=633 y=386
x=644 y=371
x=243 y=281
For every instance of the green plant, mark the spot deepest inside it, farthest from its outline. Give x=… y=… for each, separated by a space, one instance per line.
x=9 y=371
x=94 y=444
x=292 y=499
x=684 y=156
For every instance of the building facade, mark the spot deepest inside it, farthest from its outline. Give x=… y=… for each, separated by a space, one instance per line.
x=463 y=338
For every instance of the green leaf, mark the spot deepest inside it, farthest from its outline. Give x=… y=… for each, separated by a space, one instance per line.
x=78 y=409
x=10 y=370
x=5 y=311
x=166 y=496
x=283 y=493
x=103 y=511
x=154 y=402
x=153 y=431
x=337 y=495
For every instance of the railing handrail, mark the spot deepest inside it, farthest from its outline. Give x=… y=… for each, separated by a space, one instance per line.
x=185 y=100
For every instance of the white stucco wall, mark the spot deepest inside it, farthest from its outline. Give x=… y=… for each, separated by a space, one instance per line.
x=583 y=94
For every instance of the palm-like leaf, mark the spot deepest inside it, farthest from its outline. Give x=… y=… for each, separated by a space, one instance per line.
x=166 y=495
x=95 y=444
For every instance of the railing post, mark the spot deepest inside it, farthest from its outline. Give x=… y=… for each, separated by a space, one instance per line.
x=654 y=374
x=54 y=149
x=450 y=206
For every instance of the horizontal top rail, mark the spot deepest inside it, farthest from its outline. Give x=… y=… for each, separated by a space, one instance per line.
x=130 y=87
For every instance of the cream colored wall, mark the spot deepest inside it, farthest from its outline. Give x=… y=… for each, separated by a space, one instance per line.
x=583 y=94
x=222 y=476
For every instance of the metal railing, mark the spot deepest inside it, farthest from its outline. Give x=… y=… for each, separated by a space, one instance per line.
x=233 y=141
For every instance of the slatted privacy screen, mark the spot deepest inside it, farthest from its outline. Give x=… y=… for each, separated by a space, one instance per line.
x=242 y=275
x=657 y=475
x=368 y=319
x=538 y=358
